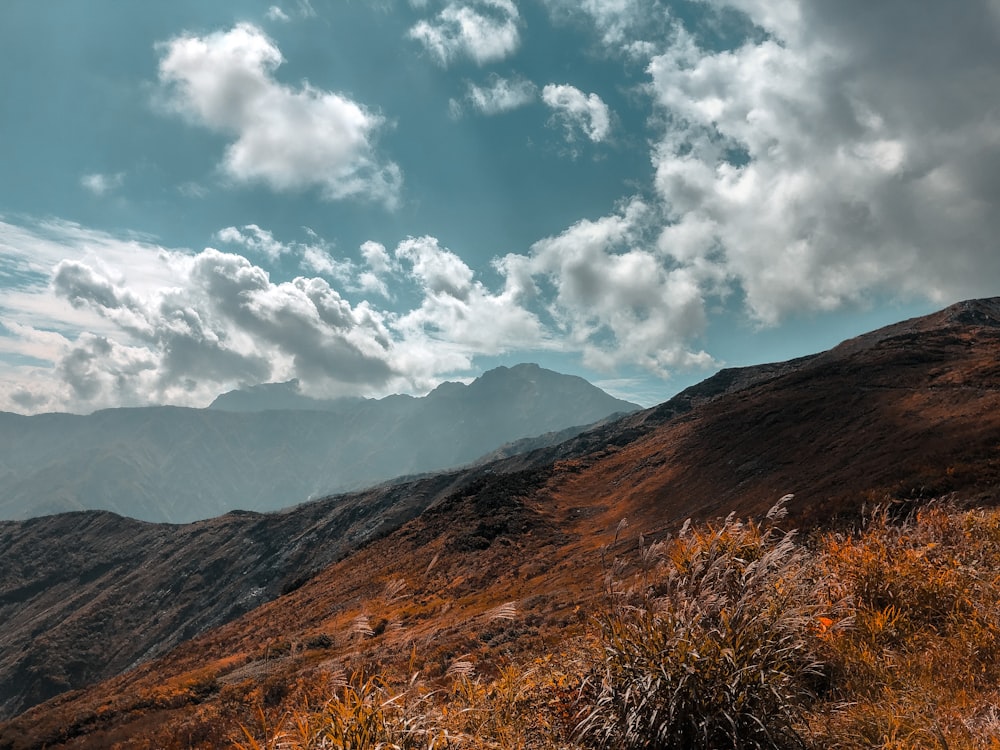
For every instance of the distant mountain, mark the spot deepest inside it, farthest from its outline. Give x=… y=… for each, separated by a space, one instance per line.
x=903 y=414
x=270 y=447
x=278 y=396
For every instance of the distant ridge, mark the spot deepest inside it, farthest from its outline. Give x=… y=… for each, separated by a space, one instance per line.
x=277 y=396
x=270 y=447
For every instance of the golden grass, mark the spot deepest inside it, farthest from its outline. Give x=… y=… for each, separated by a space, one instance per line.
x=728 y=635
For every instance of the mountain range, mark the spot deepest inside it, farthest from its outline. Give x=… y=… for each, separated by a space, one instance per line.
x=156 y=629
x=270 y=447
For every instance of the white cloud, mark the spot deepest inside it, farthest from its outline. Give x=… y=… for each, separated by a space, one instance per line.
x=379 y=265
x=275 y=13
x=578 y=111
x=633 y=28
x=286 y=138
x=101 y=184
x=105 y=322
x=501 y=95
x=459 y=311
x=254 y=238
x=614 y=298
x=315 y=256
x=376 y=257
x=320 y=260
x=485 y=31
x=130 y=322
x=851 y=151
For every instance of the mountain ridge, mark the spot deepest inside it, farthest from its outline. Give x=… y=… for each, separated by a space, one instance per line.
x=899 y=416
x=176 y=464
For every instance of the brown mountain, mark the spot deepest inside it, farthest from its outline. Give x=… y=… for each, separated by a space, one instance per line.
x=905 y=413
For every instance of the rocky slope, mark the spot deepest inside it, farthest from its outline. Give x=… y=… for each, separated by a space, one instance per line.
x=898 y=416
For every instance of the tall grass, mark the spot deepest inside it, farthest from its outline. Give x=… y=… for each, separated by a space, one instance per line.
x=921 y=667
x=712 y=647
x=362 y=714
x=733 y=634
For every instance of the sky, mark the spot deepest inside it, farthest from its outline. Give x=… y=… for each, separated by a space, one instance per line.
x=375 y=197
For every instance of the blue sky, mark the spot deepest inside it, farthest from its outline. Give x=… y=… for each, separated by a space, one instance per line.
x=373 y=197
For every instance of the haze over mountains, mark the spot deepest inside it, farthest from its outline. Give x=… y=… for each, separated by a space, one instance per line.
x=907 y=412
x=270 y=447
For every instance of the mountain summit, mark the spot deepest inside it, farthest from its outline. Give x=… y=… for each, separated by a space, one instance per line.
x=271 y=447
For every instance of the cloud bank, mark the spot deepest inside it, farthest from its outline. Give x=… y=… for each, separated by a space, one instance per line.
x=168 y=326
x=851 y=150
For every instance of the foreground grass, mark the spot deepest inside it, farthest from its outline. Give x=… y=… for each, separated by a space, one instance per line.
x=730 y=635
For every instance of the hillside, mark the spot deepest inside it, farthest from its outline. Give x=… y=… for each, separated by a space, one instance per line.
x=507 y=559
x=178 y=465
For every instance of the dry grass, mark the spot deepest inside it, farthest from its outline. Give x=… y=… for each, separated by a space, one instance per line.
x=713 y=647
x=730 y=635
x=921 y=666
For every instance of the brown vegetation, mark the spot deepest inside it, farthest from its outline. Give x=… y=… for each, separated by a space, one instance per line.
x=880 y=633
x=732 y=635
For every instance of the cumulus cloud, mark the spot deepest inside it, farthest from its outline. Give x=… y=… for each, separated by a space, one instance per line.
x=169 y=326
x=376 y=257
x=459 y=310
x=484 y=31
x=578 y=112
x=832 y=154
x=101 y=184
x=851 y=150
x=614 y=298
x=226 y=321
x=287 y=138
x=379 y=265
x=316 y=256
x=254 y=238
x=501 y=95
x=97 y=364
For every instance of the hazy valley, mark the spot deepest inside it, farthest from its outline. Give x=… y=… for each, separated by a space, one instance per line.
x=269 y=447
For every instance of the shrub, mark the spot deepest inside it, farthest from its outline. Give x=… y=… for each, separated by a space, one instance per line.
x=714 y=649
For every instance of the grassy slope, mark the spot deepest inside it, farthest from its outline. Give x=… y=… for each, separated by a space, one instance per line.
x=910 y=413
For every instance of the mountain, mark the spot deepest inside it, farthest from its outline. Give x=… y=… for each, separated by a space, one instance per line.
x=278 y=396
x=177 y=465
x=898 y=416
x=89 y=594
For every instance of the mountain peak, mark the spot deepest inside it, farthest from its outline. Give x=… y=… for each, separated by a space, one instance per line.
x=270 y=446
x=529 y=383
